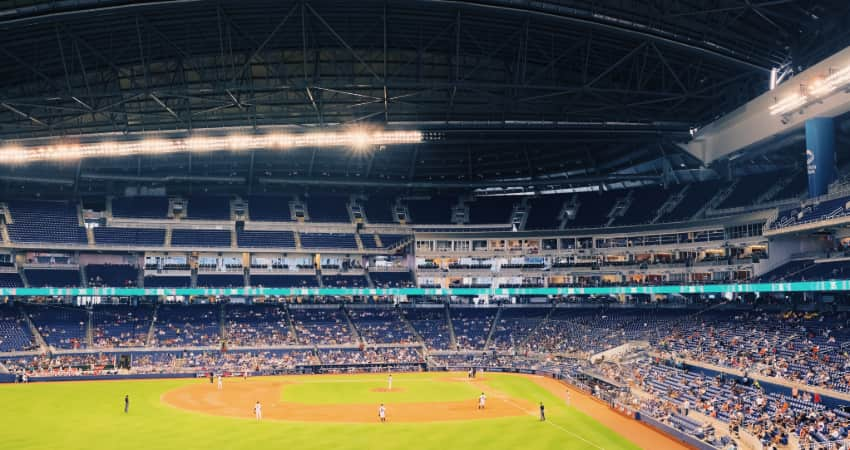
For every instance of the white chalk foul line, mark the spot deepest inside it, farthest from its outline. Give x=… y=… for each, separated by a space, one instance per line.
x=507 y=400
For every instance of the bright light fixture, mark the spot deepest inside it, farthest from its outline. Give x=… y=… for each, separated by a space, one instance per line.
x=788 y=104
x=356 y=138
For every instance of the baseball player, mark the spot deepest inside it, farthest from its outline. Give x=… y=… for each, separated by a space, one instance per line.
x=126 y=404
x=482 y=399
x=258 y=411
x=382 y=413
x=390 y=382
x=220 y=385
x=542 y=412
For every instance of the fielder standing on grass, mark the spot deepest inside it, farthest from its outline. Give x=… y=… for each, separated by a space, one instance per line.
x=126 y=404
x=258 y=411
x=481 y=401
x=390 y=382
x=382 y=413
x=542 y=412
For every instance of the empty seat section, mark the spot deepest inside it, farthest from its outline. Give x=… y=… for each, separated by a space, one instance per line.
x=328 y=240
x=697 y=195
x=129 y=236
x=14 y=332
x=267 y=208
x=796 y=187
x=544 y=212
x=44 y=221
x=142 y=207
x=749 y=189
x=208 y=208
x=265 y=239
x=58 y=278
x=594 y=207
x=220 y=281
x=284 y=281
x=368 y=241
x=644 y=205
x=391 y=240
x=200 y=238
x=10 y=280
x=379 y=209
x=486 y=210
x=163 y=281
x=328 y=208
x=111 y=275
x=436 y=210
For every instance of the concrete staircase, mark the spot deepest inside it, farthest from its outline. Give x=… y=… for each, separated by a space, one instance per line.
x=493 y=328
x=355 y=333
x=39 y=339
x=671 y=203
x=89 y=328
x=292 y=330
x=452 y=338
x=410 y=328
x=149 y=341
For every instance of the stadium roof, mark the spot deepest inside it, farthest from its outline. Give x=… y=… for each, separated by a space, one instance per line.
x=515 y=89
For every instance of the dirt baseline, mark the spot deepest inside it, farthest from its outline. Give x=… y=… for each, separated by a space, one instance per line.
x=237 y=400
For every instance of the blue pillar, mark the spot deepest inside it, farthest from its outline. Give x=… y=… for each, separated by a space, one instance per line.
x=820 y=154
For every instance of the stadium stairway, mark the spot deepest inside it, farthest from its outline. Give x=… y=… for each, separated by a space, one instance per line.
x=222 y=322
x=84 y=278
x=292 y=330
x=671 y=203
x=358 y=241
x=492 y=329
x=378 y=241
x=412 y=330
x=369 y=279
x=452 y=339
x=39 y=339
x=355 y=333
x=167 y=242
x=89 y=327
x=90 y=236
x=297 y=237
x=150 y=339
x=5 y=233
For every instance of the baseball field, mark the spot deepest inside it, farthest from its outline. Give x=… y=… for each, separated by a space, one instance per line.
x=424 y=411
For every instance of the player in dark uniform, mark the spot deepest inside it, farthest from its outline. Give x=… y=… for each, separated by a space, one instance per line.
x=542 y=412
x=126 y=404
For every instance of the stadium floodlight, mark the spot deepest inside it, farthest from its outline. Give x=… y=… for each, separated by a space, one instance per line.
x=357 y=138
x=834 y=81
x=788 y=104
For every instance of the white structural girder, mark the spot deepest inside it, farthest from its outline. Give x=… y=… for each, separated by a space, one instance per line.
x=754 y=123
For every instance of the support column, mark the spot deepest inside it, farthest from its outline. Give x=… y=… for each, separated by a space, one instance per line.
x=820 y=154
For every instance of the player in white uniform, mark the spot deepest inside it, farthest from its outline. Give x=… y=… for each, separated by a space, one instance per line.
x=382 y=413
x=258 y=411
x=390 y=382
x=220 y=385
x=481 y=401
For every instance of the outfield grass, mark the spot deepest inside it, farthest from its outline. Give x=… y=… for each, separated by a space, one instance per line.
x=88 y=415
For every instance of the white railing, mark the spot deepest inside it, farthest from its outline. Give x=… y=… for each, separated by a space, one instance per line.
x=843 y=444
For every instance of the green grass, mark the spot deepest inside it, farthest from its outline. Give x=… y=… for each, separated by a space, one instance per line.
x=89 y=416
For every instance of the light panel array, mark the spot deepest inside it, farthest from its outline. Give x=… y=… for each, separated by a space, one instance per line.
x=357 y=139
x=819 y=88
